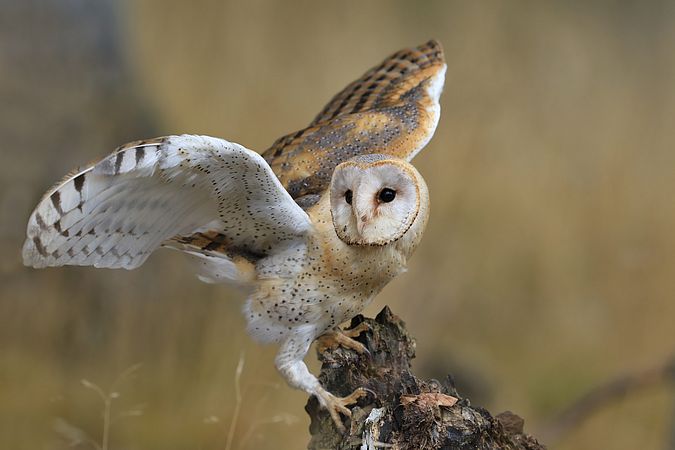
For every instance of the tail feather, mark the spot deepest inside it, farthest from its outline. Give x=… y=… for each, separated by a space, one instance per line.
x=214 y=261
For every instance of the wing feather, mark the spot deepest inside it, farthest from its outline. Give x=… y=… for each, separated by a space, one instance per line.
x=385 y=83
x=116 y=212
x=392 y=109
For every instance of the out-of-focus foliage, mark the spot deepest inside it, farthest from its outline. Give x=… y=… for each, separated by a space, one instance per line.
x=549 y=261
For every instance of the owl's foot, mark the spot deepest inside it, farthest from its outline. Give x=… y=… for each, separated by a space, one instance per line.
x=357 y=330
x=345 y=338
x=291 y=366
x=338 y=405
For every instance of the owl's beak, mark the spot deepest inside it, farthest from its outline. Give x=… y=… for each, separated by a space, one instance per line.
x=360 y=225
x=362 y=212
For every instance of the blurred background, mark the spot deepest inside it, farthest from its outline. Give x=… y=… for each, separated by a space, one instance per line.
x=548 y=266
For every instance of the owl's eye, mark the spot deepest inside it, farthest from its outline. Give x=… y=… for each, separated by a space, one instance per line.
x=387 y=195
x=348 y=197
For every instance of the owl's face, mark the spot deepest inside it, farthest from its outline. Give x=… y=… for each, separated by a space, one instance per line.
x=375 y=199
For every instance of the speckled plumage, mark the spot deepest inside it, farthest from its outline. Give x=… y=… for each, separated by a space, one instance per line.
x=326 y=281
x=307 y=228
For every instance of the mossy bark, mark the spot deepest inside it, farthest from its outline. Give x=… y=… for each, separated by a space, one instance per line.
x=402 y=411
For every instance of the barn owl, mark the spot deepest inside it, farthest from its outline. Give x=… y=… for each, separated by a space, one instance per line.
x=313 y=228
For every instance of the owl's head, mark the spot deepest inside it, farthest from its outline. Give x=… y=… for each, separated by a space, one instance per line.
x=376 y=199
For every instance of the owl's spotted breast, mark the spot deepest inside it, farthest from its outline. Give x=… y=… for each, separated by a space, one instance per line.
x=392 y=109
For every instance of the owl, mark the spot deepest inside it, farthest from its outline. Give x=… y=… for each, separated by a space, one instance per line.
x=313 y=228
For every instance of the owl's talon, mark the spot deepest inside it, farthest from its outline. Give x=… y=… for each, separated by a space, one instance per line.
x=357 y=330
x=338 y=405
x=356 y=395
x=338 y=338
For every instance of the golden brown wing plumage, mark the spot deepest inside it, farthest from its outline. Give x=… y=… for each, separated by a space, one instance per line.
x=211 y=242
x=384 y=84
x=392 y=109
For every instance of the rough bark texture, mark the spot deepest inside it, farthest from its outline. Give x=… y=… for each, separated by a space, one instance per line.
x=403 y=412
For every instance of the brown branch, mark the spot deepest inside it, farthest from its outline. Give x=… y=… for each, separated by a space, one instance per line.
x=603 y=395
x=403 y=412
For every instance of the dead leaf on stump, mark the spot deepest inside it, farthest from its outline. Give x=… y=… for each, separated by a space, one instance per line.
x=428 y=399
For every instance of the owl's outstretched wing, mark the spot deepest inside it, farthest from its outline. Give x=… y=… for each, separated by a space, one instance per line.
x=116 y=212
x=385 y=83
x=392 y=109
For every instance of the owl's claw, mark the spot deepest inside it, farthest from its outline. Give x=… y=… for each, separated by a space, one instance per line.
x=344 y=338
x=338 y=405
x=357 y=330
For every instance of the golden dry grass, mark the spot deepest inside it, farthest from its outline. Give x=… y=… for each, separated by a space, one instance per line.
x=548 y=265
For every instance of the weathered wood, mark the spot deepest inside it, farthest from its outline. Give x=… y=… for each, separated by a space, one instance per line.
x=402 y=411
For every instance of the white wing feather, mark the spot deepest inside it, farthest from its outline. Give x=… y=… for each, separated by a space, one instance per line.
x=116 y=212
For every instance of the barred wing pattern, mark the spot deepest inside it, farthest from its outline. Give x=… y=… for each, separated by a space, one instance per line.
x=116 y=212
x=392 y=109
x=385 y=83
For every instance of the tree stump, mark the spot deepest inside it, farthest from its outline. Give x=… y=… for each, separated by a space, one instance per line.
x=402 y=411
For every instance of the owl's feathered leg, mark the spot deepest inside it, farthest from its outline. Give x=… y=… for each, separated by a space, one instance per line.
x=345 y=338
x=289 y=362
